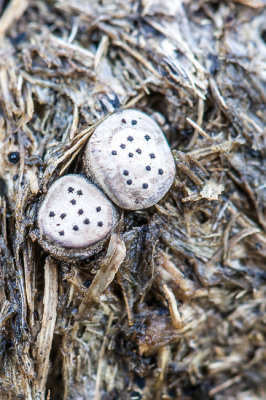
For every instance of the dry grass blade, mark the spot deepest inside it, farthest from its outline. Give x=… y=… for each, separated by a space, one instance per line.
x=252 y=3
x=115 y=256
x=45 y=336
x=174 y=308
x=13 y=12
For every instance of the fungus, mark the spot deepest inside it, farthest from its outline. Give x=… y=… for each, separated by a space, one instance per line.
x=68 y=218
x=151 y=170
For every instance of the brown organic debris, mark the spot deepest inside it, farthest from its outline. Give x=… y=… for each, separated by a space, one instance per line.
x=174 y=308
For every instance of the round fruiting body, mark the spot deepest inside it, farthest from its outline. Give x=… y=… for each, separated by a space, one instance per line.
x=75 y=218
x=129 y=157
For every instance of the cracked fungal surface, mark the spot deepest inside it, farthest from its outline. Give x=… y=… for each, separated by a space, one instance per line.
x=129 y=157
x=75 y=214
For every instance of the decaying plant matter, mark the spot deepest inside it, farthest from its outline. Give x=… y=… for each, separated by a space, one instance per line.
x=175 y=307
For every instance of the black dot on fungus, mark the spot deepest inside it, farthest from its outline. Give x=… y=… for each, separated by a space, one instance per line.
x=51 y=214
x=138 y=151
x=129 y=182
x=123 y=146
x=160 y=171
x=124 y=121
x=147 y=137
x=75 y=228
x=114 y=153
x=63 y=215
x=80 y=212
x=70 y=189
x=13 y=157
x=100 y=223
x=130 y=138
x=148 y=168
x=145 y=186
x=61 y=233
x=73 y=201
x=125 y=172
x=86 y=221
x=134 y=122
x=152 y=155
x=130 y=155
x=98 y=209
x=79 y=193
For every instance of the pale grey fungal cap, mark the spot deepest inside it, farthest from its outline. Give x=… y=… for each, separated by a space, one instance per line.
x=129 y=157
x=75 y=218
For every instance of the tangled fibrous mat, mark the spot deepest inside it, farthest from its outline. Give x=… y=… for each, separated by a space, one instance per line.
x=174 y=307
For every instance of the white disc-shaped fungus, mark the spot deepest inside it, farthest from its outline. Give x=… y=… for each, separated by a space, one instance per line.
x=129 y=157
